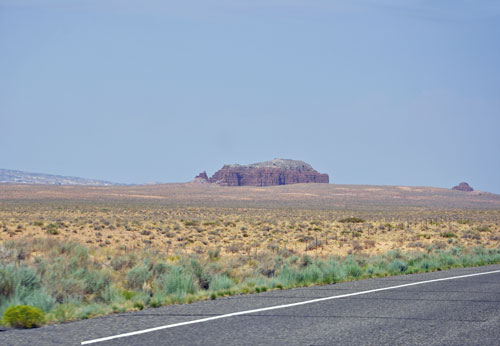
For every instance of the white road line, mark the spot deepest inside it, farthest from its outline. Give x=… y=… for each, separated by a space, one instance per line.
x=279 y=307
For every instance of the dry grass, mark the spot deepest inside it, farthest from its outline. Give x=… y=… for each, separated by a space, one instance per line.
x=245 y=231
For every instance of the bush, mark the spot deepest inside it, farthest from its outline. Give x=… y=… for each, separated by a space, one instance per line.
x=398 y=266
x=52 y=229
x=213 y=254
x=7 y=280
x=21 y=286
x=306 y=260
x=312 y=274
x=138 y=305
x=91 y=310
x=23 y=316
x=178 y=282
x=446 y=259
x=352 y=220
x=200 y=274
x=220 y=282
x=137 y=276
x=119 y=262
x=14 y=280
x=448 y=235
x=289 y=277
x=128 y=295
x=333 y=272
x=483 y=229
x=353 y=269
x=428 y=264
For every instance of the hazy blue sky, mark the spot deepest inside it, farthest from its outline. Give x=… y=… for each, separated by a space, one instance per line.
x=369 y=91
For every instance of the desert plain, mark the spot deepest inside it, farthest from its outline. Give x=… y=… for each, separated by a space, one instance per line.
x=90 y=251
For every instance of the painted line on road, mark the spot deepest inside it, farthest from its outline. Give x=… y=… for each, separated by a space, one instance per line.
x=149 y=330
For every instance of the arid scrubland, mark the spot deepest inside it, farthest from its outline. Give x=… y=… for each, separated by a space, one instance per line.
x=79 y=258
x=247 y=231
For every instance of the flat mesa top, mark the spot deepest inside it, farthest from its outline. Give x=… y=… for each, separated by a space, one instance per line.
x=277 y=163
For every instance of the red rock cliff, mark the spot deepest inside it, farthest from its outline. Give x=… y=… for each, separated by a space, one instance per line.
x=275 y=172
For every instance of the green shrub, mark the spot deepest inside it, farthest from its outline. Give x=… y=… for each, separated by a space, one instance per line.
x=160 y=268
x=7 y=280
x=220 y=282
x=137 y=276
x=190 y=223
x=18 y=281
x=201 y=275
x=428 y=264
x=448 y=235
x=353 y=269
x=155 y=303
x=52 y=229
x=96 y=282
x=21 y=286
x=447 y=259
x=92 y=310
x=312 y=274
x=38 y=298
x=352 y=220
x=118 y=309
x=138 y=305
x=306 y=260
x=128 y=294
x=288 y=276
x=23 y=316
x=395 y=254
x=119 y=262
x=178 y=282
x=213 y=254
x=333 y=271
x=398 y=266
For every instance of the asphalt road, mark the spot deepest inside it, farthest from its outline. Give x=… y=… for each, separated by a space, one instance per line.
x=463 y=311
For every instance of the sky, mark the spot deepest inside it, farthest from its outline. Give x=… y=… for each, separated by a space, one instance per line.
x=383 y=92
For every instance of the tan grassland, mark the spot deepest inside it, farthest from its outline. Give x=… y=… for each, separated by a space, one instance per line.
x=178 y=219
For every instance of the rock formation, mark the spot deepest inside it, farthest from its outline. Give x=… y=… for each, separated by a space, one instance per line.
x=463 y=187
x=201 y=178
x=275 y=172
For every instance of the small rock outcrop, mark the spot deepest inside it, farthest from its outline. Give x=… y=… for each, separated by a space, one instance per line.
x=275 y=172
x=201 y=178
x=463 y=187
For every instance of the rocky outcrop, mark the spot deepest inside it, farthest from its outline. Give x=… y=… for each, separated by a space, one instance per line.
x=202 y=177
x=275 y=172
x=463 y=187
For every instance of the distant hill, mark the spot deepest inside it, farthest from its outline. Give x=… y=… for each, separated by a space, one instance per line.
x=19 y=177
